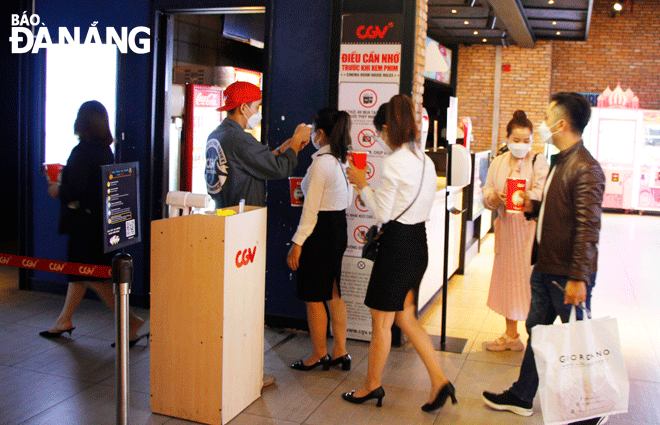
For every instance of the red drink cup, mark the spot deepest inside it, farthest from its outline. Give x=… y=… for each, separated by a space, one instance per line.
x=53 y=172
x=359 y=159
x=515 y=194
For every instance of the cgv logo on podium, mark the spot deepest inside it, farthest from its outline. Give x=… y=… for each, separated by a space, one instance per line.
x=245 y=257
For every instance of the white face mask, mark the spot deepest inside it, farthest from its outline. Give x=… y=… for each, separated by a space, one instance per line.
x=313 y=139
x=383 y=145
x=546 y=133
x=519 y=150
x=254 y=120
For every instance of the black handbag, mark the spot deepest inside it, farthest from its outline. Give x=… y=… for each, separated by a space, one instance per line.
x=372 y=238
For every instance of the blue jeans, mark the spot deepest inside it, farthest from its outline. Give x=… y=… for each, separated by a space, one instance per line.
x=547 y=303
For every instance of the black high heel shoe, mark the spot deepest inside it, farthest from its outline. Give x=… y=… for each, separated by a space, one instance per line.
x=51 y=335
x=378 y=393
x=447 y=391
x=132 y=342
x=323 y=361
x=344 y=360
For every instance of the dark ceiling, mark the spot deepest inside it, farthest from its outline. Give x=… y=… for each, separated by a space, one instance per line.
x=516 y=22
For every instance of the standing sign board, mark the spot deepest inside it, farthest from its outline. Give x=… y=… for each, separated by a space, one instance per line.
x=121 y=205
x=369 y=75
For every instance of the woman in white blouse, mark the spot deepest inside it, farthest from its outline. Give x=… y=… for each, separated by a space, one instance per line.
x=403 y=204
x=321 y=239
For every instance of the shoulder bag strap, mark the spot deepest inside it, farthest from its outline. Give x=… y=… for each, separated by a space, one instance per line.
x=418 y=190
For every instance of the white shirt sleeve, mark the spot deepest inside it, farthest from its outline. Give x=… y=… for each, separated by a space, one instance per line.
x=382 y=201
x=313 y=196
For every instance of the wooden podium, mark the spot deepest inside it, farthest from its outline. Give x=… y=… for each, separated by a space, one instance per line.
x=207 y=314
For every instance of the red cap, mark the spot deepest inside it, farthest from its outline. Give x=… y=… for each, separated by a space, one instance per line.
x=239 y=93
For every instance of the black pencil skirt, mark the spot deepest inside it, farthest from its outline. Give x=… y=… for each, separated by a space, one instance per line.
x=399 y=266
x=321 y=257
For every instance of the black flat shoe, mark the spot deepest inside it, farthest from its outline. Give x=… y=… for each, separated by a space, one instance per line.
x=323 y=361
x=447 y=391
x=132 y=342
x=344 y=360
x=52 y=335
x=378 y=393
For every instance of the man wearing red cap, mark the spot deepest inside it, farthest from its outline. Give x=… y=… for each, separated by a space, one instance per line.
x=237 y=164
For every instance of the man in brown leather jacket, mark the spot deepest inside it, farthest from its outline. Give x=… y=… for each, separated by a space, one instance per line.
x=566 y=244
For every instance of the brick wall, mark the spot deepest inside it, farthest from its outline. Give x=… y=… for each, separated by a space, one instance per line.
x=420 y=55
x=625 y=49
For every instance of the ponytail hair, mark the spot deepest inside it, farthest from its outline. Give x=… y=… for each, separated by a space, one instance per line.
x=337 y=128
x=519 y=120
x=401 y=126
x=340 y=138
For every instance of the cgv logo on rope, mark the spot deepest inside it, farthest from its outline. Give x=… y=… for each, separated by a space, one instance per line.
x=245 y=257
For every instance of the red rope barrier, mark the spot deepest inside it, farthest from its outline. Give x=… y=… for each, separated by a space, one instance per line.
x=55 y=266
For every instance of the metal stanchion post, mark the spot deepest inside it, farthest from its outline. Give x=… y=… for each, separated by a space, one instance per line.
x=122 y=276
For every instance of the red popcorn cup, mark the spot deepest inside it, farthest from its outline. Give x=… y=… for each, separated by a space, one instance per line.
x=359 y=159
x=53 y=172
x=515 y=194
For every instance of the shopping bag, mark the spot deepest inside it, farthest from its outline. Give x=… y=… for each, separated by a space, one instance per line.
x=581 y=370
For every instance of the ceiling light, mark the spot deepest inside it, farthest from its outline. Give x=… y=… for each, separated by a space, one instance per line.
x=554 y=22
x=551 y=1
x=466 y=22
x=484 y=40
x=454 y=11
x=476 y=33
x=558 y=32
x=618 y=7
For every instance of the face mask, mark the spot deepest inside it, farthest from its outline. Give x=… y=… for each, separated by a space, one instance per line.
x=313 y=139
x=254 y=120
x=384 y=146
x=546 y=133
x=519 y=150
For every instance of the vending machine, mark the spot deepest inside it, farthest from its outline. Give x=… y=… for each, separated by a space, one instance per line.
x=626 y=142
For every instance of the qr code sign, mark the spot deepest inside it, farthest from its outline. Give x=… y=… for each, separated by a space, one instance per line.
x=130 y=228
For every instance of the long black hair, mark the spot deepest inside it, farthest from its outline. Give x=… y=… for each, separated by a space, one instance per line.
x=92 y=124
x=337 y=127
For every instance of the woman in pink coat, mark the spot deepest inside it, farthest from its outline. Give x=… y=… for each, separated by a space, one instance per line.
x=510 y=290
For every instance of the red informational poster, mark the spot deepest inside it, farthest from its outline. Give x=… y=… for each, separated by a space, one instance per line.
x=296 y=191
x=200 y=119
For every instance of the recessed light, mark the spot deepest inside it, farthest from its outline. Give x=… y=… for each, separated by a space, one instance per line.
x=454 y=11
x=466 y=22
x=551 y=1
x=554 y=22
x=484 y=40
x=618 y=7
x=476 y=32
x=558 y=32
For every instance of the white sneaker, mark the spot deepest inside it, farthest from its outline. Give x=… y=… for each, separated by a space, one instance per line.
x=505 y=342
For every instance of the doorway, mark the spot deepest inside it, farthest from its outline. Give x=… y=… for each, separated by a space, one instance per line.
x=203 y=52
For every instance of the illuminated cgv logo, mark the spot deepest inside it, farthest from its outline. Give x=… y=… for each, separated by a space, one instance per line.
x=4 y=260
x=373 y=31
x=245 y=257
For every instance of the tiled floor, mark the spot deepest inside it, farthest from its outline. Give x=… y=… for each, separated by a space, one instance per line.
x=71 y=381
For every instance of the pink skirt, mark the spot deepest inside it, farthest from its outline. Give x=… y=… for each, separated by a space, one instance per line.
x=510 y=291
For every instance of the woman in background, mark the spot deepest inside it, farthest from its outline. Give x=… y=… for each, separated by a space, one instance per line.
x=321 y=239
x=510 y=290
x=403 y=204
x=81 y=215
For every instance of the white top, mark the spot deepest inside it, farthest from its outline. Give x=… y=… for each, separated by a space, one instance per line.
x=399 y=183
x=539 y=226
x=325 y=188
